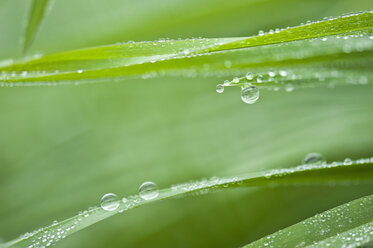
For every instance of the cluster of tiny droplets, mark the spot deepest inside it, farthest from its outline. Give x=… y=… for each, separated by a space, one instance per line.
x=46 y=237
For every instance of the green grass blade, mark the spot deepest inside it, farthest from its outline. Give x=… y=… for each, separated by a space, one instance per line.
x=347 y=172
x=37 y=12
x=348 y=225
x=338 y=43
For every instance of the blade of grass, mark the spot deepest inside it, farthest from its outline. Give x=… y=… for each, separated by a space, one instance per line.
x=315 y=45
x=36 y=14
x=358 y=172
x=348 y=225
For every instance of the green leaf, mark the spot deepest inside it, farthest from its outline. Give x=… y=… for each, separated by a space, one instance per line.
x=347 y=172
x=328 y=46
x=348 y=225
x=37 y=12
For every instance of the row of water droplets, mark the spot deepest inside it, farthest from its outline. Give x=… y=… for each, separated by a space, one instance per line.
x=249 y=91
x=289 y=79
x=147 y=191
x=341 y=218
x=317 y=161
x=48 y=236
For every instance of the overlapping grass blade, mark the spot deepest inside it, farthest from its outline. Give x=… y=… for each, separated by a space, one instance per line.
x=337 y=43
x=37 y=12
x=348 y=225
x=357 y=172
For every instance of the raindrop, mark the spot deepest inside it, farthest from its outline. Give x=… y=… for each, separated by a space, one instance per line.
x=283 y=73
x=347 y=161
x=260 y=79
x=363 y=80
x=148 y=191
x=313 y=158
x=249 y=76
x=110 y=202
x=289 y=88
x=219 y=88
x=235 y=80
x=250 y=94
x=271 y=73
x=228 y=64
x=79 y=71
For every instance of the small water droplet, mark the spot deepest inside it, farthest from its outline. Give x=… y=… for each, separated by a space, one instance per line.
x=289 y=88
x=110 y=202
x=250 y=94
x=148 y=191
x=219 y=88
x=283 y=73
x=347 y=161
x=79 y=71
x=271 y=73
x=260 y=79
x=235 y=80
x=228 y=64
x=313 y=158
x=249 y=76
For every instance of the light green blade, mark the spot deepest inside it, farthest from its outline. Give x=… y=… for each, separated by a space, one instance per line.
x=341 y=42
x=38 y=10
x=348 y=225
x=357 y=172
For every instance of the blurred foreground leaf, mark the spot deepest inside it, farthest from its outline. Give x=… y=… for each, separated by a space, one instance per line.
x=348 y=225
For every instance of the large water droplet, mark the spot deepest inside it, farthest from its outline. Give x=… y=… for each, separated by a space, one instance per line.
x=148 y=191
x=250 y=94
x=313 y=158
x=110 y=202
x=219 y=88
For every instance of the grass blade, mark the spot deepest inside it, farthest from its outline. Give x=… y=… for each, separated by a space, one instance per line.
x=347 y=172
x=37 y=12
x=348 y=225
x=332 y=44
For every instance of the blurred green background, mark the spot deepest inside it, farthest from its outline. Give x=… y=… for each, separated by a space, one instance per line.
x=62 y=148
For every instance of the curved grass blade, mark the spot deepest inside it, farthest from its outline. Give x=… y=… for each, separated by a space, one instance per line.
x=338 y=43
x=36 y=14
x=347 y=172
x=348 y=225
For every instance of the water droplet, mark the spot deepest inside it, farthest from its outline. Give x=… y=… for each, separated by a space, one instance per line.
x=260 y=79
x=347 y=161
x=283 y=73
x=271 y=73
x=79 y=71
x=363 y=80
x=110 y=202
x=289 y=88
x=235 y=80
x=249 y=76
x=124 y=199
x=148 y=191
x=219 y=88
x=228 y=64
x=250 y=94
x=313 y=158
